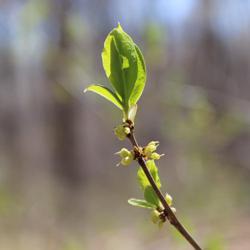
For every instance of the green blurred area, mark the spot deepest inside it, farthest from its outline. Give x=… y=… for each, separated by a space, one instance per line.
x=59 y=187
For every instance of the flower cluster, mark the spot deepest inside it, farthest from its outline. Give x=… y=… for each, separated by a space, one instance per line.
x=157 y=215
x=149 y=151
x=127 y=156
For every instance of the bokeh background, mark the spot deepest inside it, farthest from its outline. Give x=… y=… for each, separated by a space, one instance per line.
x=59 y=187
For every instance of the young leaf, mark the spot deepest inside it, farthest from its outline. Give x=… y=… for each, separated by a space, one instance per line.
x=125 y=68
x=154 y=172
x=150 y=196
x=106 y=93
x=116 y=75
x=141 y=203
x=127 y=51
x=142 y=179
x=141 y=77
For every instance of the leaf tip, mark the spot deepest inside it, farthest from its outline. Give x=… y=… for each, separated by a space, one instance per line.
x=119 y=26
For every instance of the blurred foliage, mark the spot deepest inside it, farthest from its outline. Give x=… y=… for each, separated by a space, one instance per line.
x=7 y=202
x=34 y=12
x=155 y=41
x=214 y=243
x=73 y=245
x=200 y=136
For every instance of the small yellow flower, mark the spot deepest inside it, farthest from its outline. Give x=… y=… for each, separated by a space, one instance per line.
x=156 y=156
x=123 y=152
x=126 y=155
x=126 y=161
x=121 y=132
x=149 y=151
x=150 y=148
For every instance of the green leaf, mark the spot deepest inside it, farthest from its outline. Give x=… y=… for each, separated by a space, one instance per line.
x=116 y=74
x=141 y=203
x=106 y=93
x=143 y=181
x=125 y=68
x=141 y=77
x=127 y=51
x=154 y=172
x=150 y=196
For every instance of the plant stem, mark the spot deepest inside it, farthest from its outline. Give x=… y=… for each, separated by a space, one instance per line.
x=167 y=210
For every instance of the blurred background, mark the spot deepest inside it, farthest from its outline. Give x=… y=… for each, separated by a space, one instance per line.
x=59 y=187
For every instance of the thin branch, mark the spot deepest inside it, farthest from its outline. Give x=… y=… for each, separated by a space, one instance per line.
x=167 y=210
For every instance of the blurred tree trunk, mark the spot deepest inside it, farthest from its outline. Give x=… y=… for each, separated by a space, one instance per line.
x=211 y=65
x=66 y=164
x=8 y=119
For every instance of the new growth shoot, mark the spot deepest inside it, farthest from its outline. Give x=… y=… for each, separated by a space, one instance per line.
x=125 y=68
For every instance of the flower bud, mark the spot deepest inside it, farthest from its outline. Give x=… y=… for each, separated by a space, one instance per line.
x=173 y=209
x=127 y=130
x=169 y=199
x=155 y=216
x=120 y=132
